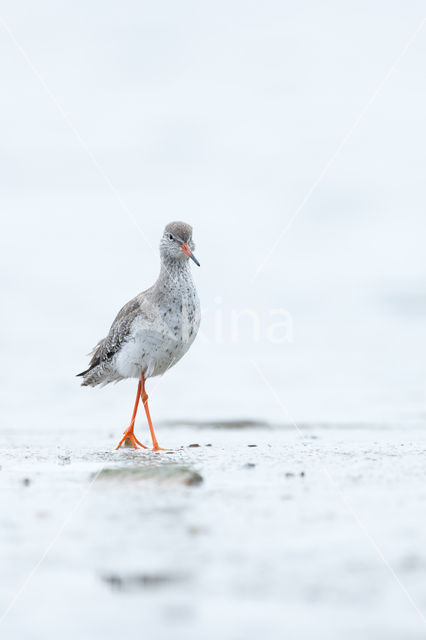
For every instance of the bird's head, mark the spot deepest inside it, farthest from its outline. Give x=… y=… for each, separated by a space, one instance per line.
x=176 y=243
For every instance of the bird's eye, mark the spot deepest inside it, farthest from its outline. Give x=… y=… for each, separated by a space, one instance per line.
x=171 y=237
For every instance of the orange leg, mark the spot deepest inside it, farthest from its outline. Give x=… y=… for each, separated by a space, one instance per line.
x=128 y=434
x=144 y=397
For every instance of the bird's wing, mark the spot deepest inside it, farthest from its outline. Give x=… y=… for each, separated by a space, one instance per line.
x=106 y=349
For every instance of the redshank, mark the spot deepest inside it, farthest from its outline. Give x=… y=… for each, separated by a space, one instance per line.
x=154 y=330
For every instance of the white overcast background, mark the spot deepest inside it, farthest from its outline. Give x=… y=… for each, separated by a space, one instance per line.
x=222 y=114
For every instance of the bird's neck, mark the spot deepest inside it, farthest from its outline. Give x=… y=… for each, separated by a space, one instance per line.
x=174 y=271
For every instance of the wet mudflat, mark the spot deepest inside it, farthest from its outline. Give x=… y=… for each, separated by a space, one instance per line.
x=244 y=530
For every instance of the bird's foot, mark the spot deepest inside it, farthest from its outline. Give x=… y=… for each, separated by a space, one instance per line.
x=157 y=448
x=129 y=437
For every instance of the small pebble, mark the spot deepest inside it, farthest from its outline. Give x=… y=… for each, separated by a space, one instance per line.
x=26 y=482
x=289 y=474
x=252 y=445
x=193 y=445
x=249 y=465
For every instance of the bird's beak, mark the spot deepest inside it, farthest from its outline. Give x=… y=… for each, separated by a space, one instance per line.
x=189 y=253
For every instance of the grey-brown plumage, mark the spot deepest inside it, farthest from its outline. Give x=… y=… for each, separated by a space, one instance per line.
x=99 y=370
x=156 y=328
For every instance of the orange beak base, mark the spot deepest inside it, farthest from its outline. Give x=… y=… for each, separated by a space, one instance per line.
x=185 y=248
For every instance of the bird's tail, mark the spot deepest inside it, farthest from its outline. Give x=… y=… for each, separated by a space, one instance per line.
x=93 y=374
x=83 y=373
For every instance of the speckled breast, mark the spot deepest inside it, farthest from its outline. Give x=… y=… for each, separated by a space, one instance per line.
x=156 y=346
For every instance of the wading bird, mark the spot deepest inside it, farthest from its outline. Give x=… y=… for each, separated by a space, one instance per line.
x=154 y=330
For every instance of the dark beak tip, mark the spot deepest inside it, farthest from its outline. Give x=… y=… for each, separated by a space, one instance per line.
x=189 y=253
